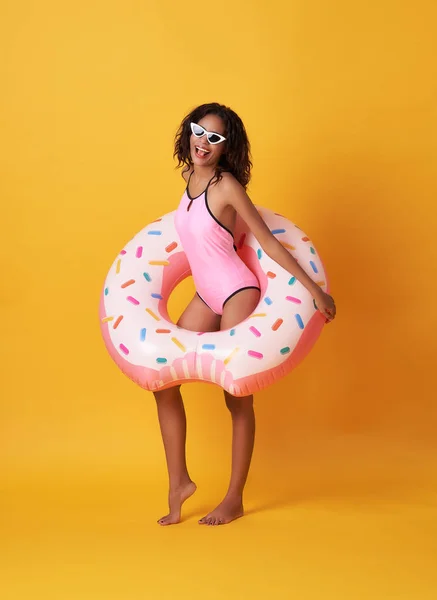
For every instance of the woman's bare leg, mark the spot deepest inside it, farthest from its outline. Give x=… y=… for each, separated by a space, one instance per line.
x=172 y=419
x=236 y=310
x=173 y=424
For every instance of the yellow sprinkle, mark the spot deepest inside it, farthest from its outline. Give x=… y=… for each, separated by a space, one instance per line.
x=320 y=283
x=288 y=246
x=106 y=319
x=178 y=344
x=152 y=314
x=163 y=263
x=117 y=268
x=234 y=351
x=258 y=315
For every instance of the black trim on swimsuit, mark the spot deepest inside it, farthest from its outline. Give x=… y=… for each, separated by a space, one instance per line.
x=206 y=303
x=249 y=287
x=205 y=191
x=215 y=218
x=188 y=191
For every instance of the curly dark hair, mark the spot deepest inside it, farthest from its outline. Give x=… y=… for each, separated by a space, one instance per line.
x=237 y=157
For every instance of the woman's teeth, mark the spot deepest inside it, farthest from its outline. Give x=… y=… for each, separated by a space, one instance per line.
x=200 y=152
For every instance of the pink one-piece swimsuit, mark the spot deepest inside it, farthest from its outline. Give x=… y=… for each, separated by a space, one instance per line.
x=218 y=272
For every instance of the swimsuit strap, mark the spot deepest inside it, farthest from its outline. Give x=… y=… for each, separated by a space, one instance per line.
x=209 y=182
x=188 y=183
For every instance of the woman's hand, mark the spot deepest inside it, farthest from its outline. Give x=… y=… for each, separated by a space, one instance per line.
x=326 y=305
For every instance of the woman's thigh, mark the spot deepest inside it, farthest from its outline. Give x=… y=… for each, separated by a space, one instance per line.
x=199 y=317
x=239 y=307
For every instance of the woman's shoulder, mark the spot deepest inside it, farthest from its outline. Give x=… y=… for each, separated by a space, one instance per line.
x=228 y=182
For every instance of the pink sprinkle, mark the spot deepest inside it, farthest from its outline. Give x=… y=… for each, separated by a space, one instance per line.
x=139 y=252
x=255 y=354
x=292 y=299
x=133 y=300
x=123 y=252
x=201 y=333
x=124 y=349
x=255 y=331
x=241 y=242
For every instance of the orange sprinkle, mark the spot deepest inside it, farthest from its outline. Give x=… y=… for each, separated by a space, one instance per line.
x=157 y=220
x=271 y=275
x=305 y=239
x=106 y=319
x=117 y=267
x=126 y=283
x=151 y=313
x=163 y=331
x=276 y=325
x=320 y=283
x=288 y=246
x=159 y=263
x=118 y=321
x=171 y=247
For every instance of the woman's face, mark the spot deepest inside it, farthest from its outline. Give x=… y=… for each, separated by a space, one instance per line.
x=202 y=152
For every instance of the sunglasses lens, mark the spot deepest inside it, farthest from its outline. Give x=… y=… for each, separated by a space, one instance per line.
x=213 y=138
x=198 y=131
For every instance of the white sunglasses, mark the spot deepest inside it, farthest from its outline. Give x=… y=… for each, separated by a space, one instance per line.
x=213 y=138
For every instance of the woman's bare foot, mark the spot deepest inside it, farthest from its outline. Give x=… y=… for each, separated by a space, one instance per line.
x=230 y=509
x=176 y=498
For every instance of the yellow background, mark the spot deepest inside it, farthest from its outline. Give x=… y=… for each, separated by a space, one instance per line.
x=339 y=100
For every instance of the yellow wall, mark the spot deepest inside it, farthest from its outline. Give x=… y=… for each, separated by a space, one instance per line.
x=339 y=101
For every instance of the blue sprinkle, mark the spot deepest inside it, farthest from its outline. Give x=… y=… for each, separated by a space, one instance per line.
x=312 y=250
x=275 y=231
x=292 y=281
x=154 y=232
x=268 y=300
x=143 y=335
x=106 y=291
x=232 y=332
x=161 y=360
x=157 y=296
x=147 y=277
x=208 y=346
x=313 y=266
x=299 y=321
x=285 y=350
x=259 y=252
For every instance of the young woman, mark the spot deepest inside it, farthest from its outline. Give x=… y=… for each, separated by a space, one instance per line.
x=212 y=146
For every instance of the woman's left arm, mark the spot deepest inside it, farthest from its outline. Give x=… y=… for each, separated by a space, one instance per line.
x=237 y=197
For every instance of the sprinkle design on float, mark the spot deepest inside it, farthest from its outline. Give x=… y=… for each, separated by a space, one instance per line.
x=170 y=354
x=118 y=321
x=171 y=247
x=128 y=283
x=152 y=314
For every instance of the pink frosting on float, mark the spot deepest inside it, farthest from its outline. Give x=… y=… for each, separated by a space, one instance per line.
x=200 y=364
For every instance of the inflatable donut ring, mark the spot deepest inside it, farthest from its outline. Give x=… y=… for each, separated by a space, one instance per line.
x=156 y=354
